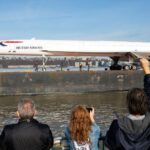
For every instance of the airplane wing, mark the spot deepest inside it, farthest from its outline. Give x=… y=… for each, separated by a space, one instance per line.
x=73 y=53
x=111 y=49
x=121 y=55
x=141 y=55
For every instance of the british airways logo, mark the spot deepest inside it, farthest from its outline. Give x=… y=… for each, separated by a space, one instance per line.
x=9 y=42
x=13 y=42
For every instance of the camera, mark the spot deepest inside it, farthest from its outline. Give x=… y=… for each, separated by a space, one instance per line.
x=89 y=109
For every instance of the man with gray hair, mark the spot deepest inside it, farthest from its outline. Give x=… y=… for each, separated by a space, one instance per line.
x=28 y=133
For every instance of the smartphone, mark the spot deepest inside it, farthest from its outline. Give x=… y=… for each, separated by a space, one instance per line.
x=89 y=109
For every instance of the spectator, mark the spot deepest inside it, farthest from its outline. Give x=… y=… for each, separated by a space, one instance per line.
x=28 y=133
x=35 y=66
x=83 y=132
x=146 y=69
x=88 y=65
x=133 y=131
x=80 y=66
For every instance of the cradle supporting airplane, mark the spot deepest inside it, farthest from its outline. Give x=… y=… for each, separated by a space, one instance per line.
x=114 y=49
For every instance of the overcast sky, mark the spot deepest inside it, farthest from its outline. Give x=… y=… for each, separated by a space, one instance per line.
x=127 y=20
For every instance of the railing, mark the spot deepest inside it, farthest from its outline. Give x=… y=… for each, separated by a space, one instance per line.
x=60 y=143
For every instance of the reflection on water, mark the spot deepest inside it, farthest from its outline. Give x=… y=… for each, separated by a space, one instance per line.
x=55 y=109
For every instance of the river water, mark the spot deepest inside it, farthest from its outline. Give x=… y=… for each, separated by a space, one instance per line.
x=54 y=109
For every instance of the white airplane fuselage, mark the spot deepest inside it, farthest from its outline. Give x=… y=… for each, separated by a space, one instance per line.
x=74 y=48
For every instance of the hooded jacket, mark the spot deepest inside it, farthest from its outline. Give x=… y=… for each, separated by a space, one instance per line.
x=127 y=134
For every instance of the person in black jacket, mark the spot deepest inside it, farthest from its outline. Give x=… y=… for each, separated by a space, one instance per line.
x=146 y=68
x=132 y=132
x=28 y=133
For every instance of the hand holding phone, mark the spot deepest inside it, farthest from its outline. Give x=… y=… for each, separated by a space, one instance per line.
x=92 y=114
x=89 y=109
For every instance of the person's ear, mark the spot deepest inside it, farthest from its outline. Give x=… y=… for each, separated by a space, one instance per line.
x=17 y=114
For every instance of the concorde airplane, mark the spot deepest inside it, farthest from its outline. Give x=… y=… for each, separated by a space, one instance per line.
x=114 y=49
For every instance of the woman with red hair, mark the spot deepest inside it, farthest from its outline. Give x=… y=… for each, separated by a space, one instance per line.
x=83 y=132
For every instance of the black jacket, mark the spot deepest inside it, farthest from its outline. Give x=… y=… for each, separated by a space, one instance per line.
x=127 y=134
x=26 y=135
x=147 y=88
